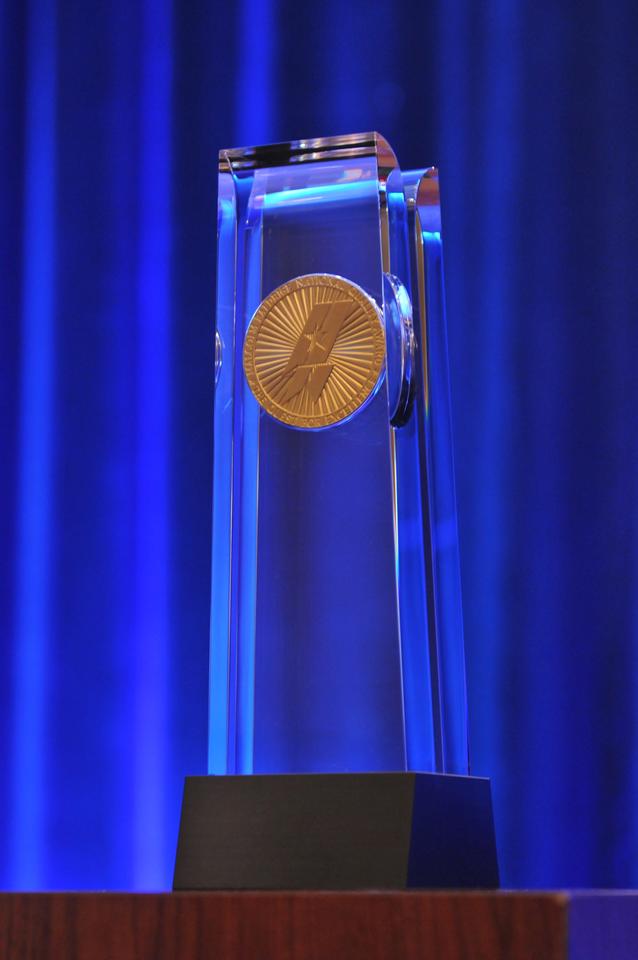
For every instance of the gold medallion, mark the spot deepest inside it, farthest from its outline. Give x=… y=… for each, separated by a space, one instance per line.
x=314 y=351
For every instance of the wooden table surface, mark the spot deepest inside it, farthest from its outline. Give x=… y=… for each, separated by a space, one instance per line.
x=319 y=926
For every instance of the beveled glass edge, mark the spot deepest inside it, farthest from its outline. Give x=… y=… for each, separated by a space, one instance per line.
x=353 y=145
x=422 y=189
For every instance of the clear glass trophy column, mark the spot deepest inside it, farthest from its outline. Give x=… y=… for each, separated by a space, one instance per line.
x=336 y=628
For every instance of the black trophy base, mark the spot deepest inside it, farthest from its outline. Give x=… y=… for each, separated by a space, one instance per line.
x=336 y=832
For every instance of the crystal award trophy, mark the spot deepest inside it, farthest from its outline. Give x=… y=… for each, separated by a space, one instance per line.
x=338 y=751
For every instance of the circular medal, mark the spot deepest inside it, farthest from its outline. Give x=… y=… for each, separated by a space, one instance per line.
x=314 y=351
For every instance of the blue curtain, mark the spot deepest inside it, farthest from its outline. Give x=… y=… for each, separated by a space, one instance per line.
x=111 y=116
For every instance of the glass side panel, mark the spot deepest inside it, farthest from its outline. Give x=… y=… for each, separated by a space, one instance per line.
x=222 y=476
x=447 y=657
x=418 y=643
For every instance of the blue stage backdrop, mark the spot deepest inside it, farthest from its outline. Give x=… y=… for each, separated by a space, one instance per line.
x=111 y=116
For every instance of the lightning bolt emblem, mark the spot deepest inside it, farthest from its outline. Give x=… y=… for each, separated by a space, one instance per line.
x=308 y=367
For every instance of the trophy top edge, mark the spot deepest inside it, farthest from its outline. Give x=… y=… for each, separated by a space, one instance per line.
x=422 y=190
x=308 y=151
